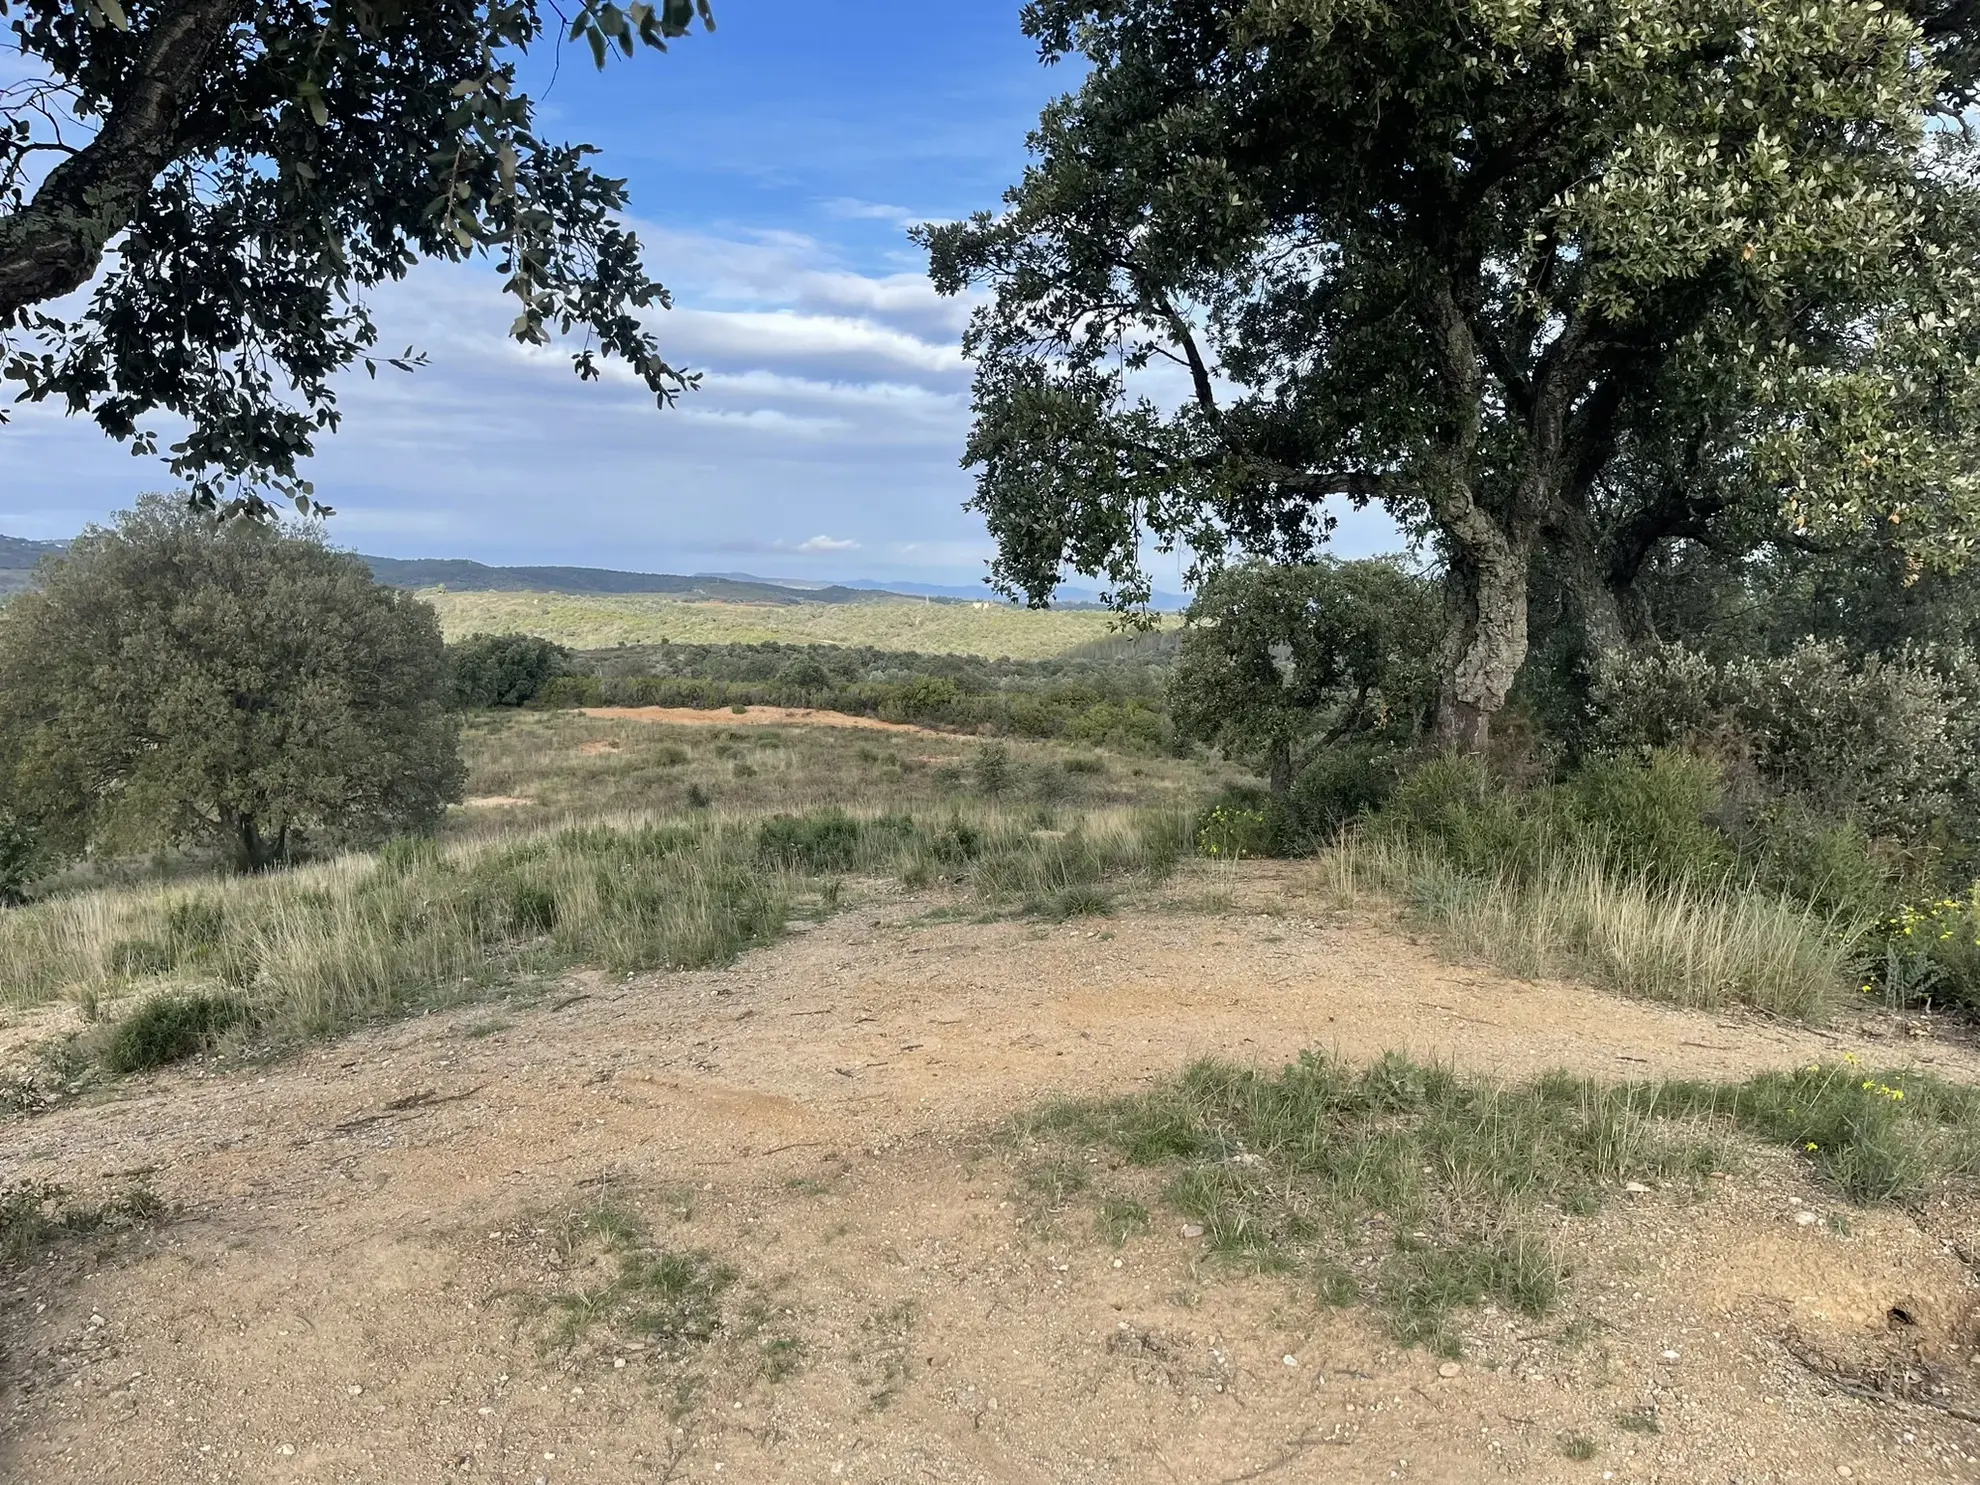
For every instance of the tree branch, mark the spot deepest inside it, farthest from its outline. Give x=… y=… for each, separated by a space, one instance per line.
x=54 y=244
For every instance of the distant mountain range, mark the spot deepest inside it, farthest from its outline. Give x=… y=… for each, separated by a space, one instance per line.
x=18 y=557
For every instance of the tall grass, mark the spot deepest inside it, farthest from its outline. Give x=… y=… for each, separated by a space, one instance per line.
x=1703 y=943
x=423 y=923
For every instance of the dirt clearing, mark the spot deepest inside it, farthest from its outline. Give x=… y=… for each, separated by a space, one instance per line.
x=757 y=1224
x=750 y=716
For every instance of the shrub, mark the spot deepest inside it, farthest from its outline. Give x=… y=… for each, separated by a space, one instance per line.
x=1651 y=819
x=1830 y=865
x=1241 y=822
x=504 y=669
x=171 y=1028
x=19 y=859
x=828 y=840
x=1343 y=783
x=1888 y=742
x=1455 y=806
x=1933 y=952
x=991 y=770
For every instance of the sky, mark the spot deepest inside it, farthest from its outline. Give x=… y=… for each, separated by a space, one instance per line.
x=774 y=168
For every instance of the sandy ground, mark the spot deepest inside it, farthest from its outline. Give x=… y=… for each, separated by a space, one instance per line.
x=353 y=1288
x=750 y=716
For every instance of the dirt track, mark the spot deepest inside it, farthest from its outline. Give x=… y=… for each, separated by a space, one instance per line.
x=347 y=1294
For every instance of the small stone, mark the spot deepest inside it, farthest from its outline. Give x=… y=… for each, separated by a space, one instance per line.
x=618 y=1363
x=1449 y=1369
x=1670 y=1356
x=356 y=1391
x=1806 y=1219
x=1636 y=1188
x=286 y=1449
x=1844 y=1470
x=1290 y=1360
x=96 y=1320
x=1192 y=1230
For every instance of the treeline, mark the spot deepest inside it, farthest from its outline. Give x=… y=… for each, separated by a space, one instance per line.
x=1116 y=700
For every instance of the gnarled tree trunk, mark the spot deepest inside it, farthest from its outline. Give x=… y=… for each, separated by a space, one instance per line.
x=1485 y=644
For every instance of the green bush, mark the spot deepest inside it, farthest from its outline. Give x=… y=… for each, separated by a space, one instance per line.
x=1342 y=784
x=504 y=669
x=1828 y=865
x=171 y=1028
x=1651 y=819
x=824 y=841
x=19 y=859
x=1479 y=824
x=1241 y=822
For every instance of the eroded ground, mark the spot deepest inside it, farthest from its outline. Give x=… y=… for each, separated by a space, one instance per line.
x=370 y=1274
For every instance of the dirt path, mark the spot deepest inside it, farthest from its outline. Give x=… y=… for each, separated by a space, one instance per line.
x=355 y=1289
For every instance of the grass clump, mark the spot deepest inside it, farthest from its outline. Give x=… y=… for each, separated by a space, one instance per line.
x=171 y=1028
x=1423 y=1192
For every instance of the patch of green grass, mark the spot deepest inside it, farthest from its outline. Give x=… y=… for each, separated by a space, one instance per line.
x=1641 y=1420
x=36 y=1214
x=1121 y=1217
x=670 y=1297
x=882 y=1358
x=489 y=1026
x=1424 y=1192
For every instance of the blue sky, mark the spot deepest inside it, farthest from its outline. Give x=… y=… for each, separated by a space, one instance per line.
x=774 y=167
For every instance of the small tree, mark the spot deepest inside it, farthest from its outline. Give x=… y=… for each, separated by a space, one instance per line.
x=505 y=669
x=1277 y=661
x=178 y=680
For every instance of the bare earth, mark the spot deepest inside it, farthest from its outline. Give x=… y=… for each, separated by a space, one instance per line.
x=750 y=716
x=352 y=1289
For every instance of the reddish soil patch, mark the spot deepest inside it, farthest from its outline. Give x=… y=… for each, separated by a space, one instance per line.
x=752 y=716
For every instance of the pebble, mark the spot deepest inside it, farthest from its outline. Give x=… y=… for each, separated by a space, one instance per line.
x=1449 y=1369
x=1636 y=1188
x=1192 y=1230
x=1844 y=1470
x=357 y=1392
x=1670 y=1356
x=1805 y=1219
x=286 y=1449
x=1290 y=1360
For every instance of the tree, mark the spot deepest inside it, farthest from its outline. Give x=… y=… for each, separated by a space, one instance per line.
x=505 y=669
x=1278 y=662
x=1519 y=272
x=252 y=169
x=179 y=679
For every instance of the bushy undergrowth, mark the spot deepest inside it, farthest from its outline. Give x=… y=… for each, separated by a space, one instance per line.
x=1426 y=1192
x=421 y=923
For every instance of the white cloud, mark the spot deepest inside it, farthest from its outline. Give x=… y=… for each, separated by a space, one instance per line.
x=827 y=544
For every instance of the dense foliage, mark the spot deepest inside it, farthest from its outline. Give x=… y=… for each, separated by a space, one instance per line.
x=177 y=680
x=249 y=170
x=1278 y=662
x=504 y=669
x=1558 y=284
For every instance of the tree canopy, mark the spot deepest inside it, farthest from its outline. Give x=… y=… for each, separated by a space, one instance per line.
x=235 y=176
x=1538 y=276
x=183 y=680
